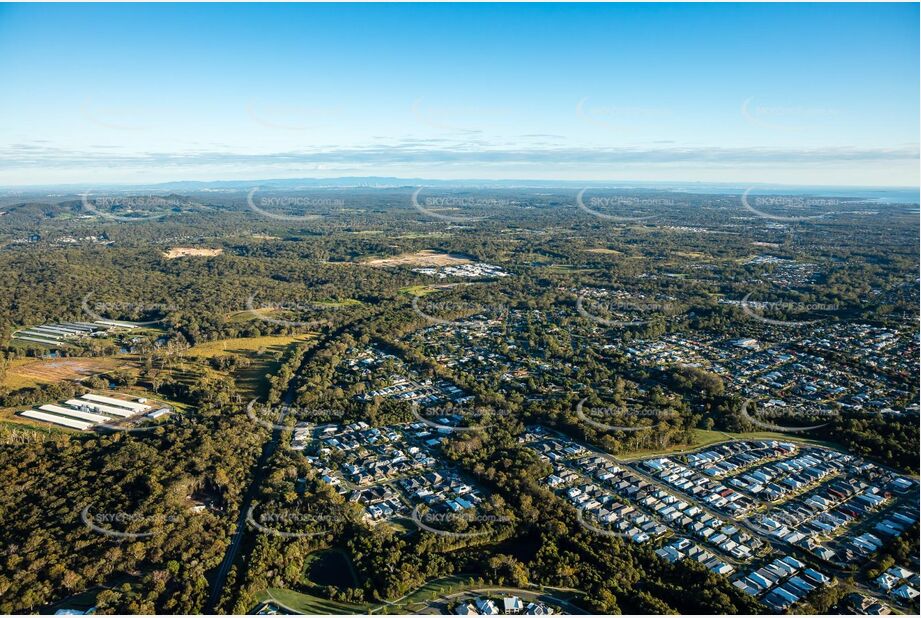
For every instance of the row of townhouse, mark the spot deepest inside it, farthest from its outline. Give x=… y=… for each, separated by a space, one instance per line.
x=831 y=505
x=604 y=508
x=778 y=479
x=353 y=436
x=731 y=458
x=897 y=522
x=622 y=481
x=370 y=458
x=853 y=547
x=556 y=451
x=715 y=494
x=664 y=507
x=333 y=437
x=684 y=549
x=782 y=582
x=820 y=530
x=366 y=454
x=694 y=521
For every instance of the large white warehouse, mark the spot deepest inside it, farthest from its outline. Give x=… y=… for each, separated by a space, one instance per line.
x=57 y=420
x=131 y=405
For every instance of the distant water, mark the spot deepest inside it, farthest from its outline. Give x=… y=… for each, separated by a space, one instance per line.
x=897 y=195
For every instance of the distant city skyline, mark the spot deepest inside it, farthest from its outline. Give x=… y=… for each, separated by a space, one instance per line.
x=769 y=94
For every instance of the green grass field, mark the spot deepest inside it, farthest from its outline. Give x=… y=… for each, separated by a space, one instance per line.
x=704 y=437
x=260 y=351
x=417 y=599
x=348 y=302
x=245 y=344
x=309 y=604
x=568 y=268
x=419 y=290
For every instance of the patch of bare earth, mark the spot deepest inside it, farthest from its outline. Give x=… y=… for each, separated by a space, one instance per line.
x=420 y=258
x=57 y=370
x=178 y=252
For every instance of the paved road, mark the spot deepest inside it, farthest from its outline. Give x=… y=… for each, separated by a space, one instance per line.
x=777 y=545
x=261 y=469
x=230 y=556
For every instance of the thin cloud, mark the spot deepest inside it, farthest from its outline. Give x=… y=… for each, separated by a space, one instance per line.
x=424 y=152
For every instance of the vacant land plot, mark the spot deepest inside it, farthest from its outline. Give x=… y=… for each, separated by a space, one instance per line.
x=425 y=235
x=245 y=344
x=604 y=251
x=178 y=252
x=246 y=315
x=704 y=437
x=424 y=290
x=419 y=598
x=691 y=255
x=27 y=372
x=420 y=258
x=263 y=353
x=308 y=604
x=568 y=268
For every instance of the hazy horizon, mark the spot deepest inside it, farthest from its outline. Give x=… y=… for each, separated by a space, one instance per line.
x=134 y=94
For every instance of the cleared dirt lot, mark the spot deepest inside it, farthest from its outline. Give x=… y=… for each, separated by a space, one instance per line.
x=178 y=252
x=420 y=258
x=29 y=372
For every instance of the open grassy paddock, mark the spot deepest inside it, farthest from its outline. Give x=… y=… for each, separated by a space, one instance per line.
x=29 y=372
x=308 y=604
x=704 y=437
x=264 y=354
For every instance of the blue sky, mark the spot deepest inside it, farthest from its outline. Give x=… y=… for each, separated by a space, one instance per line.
x=807 y=94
